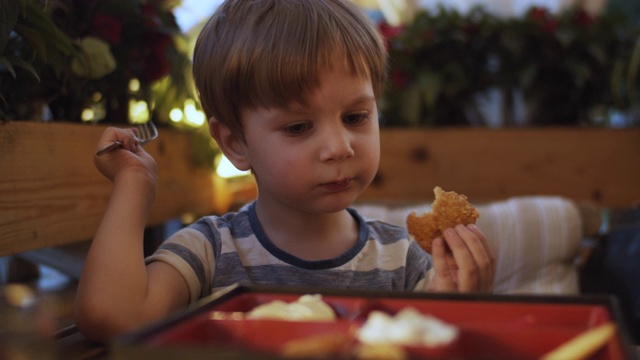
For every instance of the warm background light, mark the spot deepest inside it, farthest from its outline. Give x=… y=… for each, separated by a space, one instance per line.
x=226 y=169
x=87 y=115
x=138 y=111
x=193 y=116
x=176 y=115
x=134 y=85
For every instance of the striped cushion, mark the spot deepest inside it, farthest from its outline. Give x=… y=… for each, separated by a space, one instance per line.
x=536 y=241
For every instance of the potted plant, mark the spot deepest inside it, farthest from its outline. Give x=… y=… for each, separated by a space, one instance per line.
x=571 y=68
x=30 y=44
x=75 y=55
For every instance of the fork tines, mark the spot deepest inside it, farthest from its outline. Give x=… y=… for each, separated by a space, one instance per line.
x=145 y=132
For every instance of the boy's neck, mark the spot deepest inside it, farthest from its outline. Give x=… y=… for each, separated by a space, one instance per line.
x=310 y=236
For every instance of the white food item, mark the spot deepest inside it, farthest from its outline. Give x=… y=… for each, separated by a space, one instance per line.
x=407 y=327
x=306 y=308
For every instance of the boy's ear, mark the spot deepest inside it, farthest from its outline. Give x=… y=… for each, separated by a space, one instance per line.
x=232 y=147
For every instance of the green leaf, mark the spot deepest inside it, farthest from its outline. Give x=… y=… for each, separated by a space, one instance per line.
x=7 y=64
x=457 y=80
x=411 y=105
x=21 y=63
x=8 y=18
x=565 y=37
x=616 y=81
x=529 y=73
x=579 y=71
x=96 y=60
x=598 y=53
x=430 y=87
x=37 y=19
x=34 y=38
x=634 y=68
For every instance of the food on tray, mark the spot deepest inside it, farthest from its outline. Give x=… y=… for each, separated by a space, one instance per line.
x=408 y=327
x=379 y=352
x=309 y=307
x=341 y=346
x=448 y=210
x=382 y=336
x=583 y=345
x=329 y=346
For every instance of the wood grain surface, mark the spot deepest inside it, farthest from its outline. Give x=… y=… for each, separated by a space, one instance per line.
x=51 y=193
x=595 y=165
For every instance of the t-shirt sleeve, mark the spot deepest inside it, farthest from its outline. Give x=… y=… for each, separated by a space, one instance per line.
x=419 y=268
x=191 y=254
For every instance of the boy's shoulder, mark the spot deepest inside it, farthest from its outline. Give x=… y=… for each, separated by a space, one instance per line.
x=232 y=220
x=381 y=230
x=240 y=223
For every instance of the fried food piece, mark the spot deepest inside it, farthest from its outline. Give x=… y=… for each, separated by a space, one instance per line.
x=380 y=352
x=321 y=346
x=448 y=210
x=340 y=346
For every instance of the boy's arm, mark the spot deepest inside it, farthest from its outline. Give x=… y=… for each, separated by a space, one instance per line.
x=117 y=292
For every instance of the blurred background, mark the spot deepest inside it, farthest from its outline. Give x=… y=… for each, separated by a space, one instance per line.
x=453 y=62
x=536 y=79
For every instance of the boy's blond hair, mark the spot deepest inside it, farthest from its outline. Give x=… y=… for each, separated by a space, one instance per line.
x=270 y=53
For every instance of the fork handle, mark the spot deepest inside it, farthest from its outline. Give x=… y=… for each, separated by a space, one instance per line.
x=109 y=148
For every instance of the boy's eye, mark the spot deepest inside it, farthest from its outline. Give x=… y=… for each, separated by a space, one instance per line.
x=355 y=119
x=297 y=129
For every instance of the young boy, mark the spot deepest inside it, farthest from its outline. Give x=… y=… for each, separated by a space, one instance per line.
x=290 y=90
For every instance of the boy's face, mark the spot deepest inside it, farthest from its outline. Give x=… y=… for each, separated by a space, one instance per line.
x=317 y=157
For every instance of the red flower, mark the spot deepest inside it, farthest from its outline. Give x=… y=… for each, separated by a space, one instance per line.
x=470 y=29
x=148 y=9
x=583 y=18
x=106 y=27
x=156 y=64
x=538 y=13
x=388 y=32
x=543 y=18
x=150 y=14
x=550 y=25
x=399 y=78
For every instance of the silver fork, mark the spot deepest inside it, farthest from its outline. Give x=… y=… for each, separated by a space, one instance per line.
x=145 y=133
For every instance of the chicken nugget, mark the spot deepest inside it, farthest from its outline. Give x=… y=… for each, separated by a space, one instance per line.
x=447 y=210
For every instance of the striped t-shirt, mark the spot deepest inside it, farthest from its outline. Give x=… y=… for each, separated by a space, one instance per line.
x=218 y=251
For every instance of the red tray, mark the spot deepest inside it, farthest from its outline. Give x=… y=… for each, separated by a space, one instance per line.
x=491 y=326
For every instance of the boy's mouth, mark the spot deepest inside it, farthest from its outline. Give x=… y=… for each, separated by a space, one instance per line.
x=336 y=186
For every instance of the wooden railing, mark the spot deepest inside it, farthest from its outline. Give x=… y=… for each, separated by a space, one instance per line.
x=51 y=194
x=595 y=165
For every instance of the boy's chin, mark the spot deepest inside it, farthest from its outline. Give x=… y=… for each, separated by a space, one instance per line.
x=337 y=205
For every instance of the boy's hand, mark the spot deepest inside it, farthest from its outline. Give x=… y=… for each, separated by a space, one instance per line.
x=469 y=266
x=130 y=157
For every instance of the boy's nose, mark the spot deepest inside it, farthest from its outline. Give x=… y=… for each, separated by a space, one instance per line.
x=336 y=146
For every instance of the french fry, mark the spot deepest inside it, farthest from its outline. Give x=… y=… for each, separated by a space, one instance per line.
x=583 y=345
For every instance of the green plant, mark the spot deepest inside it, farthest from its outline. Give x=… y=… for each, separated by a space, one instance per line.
x=566 y=66
x=29 y=42
x=91 y=54
x=437 y=64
